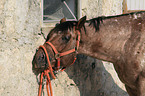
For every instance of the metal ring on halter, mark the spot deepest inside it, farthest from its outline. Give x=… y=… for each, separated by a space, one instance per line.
x=57 y=56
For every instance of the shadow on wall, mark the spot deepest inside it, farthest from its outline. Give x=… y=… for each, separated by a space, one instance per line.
x=92 y=79
x=89 y=76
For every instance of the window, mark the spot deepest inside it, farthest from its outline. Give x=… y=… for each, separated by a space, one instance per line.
x=133 y=5
x=54 y=10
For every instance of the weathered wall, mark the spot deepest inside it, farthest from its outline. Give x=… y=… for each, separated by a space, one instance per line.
x=94 y=8
x=19 y=28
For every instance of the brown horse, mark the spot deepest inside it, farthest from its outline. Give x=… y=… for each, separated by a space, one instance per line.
x=118 y=39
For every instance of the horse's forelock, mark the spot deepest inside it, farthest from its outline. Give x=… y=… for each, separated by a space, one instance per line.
x=63 y=27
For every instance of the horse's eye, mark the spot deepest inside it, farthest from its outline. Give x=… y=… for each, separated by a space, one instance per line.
x=66 y=38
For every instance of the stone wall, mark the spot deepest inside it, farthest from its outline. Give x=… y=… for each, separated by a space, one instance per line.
x=19 y=28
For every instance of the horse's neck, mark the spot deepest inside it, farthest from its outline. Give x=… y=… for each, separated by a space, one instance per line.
x=107 y=43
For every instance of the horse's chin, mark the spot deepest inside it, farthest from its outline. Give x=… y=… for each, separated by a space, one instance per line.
x=36 y=71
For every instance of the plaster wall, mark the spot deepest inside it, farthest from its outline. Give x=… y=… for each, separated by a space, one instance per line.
x=20 y=23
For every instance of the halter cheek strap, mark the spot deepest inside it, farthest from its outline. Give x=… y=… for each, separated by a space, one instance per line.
x=58 y=55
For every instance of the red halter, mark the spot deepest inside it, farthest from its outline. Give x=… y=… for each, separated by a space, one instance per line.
x=57 y=57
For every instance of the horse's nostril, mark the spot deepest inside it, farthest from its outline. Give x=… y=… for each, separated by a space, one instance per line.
x=35 y=66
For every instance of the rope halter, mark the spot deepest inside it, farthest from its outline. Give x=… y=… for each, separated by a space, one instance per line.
x=57 y=56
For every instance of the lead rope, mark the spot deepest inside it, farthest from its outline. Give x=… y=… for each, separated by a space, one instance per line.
x=46 y=73
x=49 y=69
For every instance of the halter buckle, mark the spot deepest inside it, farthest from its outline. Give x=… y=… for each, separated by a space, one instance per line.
x=57 y=56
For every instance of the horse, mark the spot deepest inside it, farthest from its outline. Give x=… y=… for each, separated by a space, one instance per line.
x=118 y=39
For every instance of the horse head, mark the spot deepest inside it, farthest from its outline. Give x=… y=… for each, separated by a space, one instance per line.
x=61 y=46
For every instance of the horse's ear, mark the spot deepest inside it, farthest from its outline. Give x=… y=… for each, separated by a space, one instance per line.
x=62 y=20
x=81 y=22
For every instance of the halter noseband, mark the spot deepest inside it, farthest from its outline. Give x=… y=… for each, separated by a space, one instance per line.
x=57 y=56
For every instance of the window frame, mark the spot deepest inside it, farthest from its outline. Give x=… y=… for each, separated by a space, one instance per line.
x=53 y=22
x=125 y=8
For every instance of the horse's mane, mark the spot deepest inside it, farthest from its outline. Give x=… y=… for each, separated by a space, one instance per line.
x=63 y=27
x=95 y=22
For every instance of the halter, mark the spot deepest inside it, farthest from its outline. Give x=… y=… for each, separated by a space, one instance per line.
x=57 y=56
